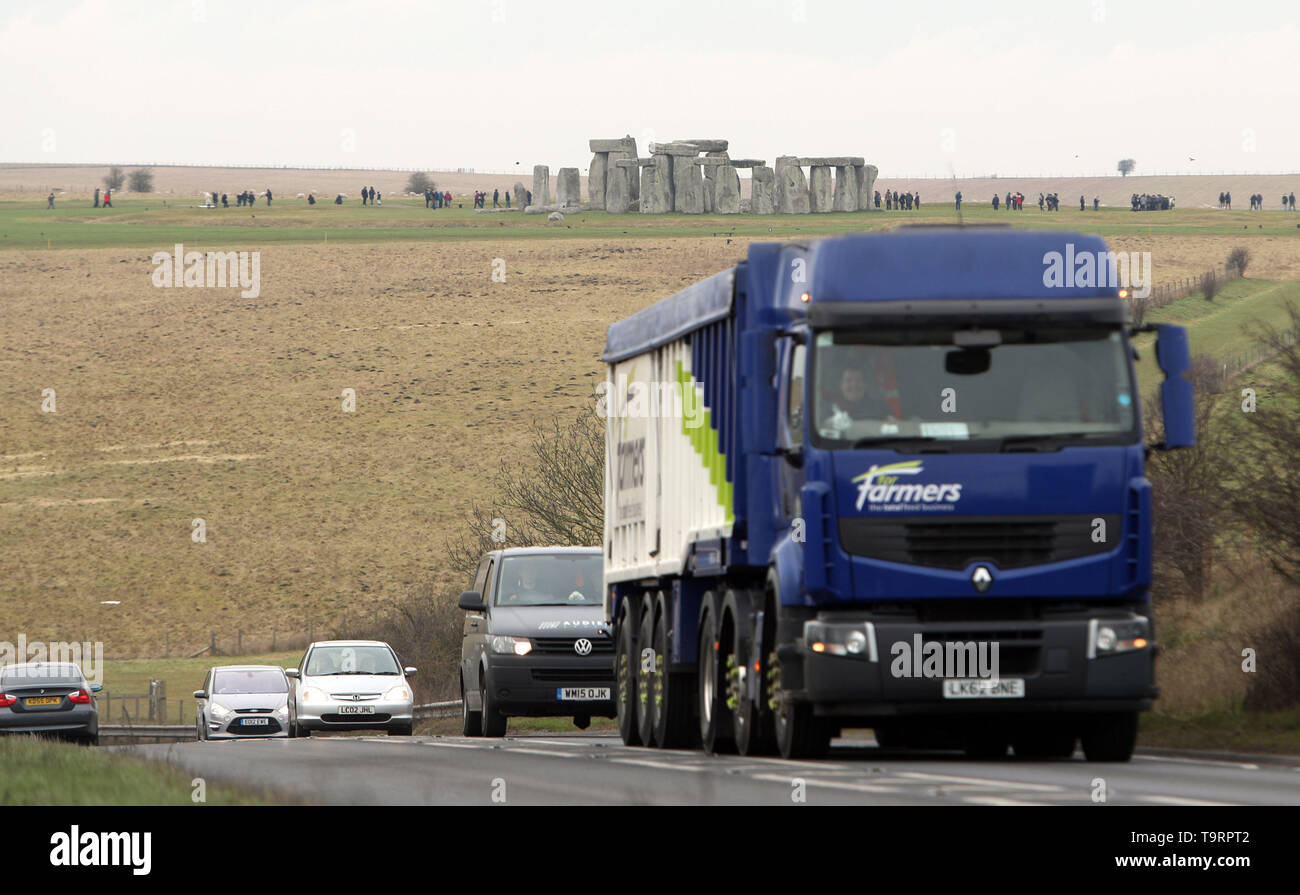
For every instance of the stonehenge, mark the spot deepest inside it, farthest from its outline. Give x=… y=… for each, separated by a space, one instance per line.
x=698 y=176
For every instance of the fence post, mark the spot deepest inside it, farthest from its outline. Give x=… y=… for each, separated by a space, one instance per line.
x=273 y=640
x=239 y=642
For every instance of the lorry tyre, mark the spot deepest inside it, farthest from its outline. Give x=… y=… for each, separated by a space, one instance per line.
x=647 y=675
x=1110 y=737
x=674 y=723
x=799 y=733
x=494 y=723
x=752 y=722
x=626 y=663
x=471 y=723
x=715 y=717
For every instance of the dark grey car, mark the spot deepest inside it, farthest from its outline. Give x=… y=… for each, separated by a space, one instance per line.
x=535 y=641
x=50 y=699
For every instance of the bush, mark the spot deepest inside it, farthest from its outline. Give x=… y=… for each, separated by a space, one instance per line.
x=1238 y=258
x=140 y=181
x=1275 y=683
x=419 y=182
x=114 y=179
x=425 y=630
x=1210 y=286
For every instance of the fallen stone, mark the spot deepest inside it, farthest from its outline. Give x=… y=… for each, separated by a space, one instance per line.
x=541 y=185
x=555 y=217
x=568 y=187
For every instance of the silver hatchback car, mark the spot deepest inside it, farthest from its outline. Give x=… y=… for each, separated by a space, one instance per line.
x=242 y=701
x=350 y=685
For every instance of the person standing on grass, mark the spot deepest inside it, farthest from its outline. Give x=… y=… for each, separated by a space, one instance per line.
x=225 y=201
x=96 y=197
x=50 y=201
x=508 y=199
x=495 y=194
x=268 y=196
x=959 y=200
x=108 y=198
x=380 y=200
x=446 y=199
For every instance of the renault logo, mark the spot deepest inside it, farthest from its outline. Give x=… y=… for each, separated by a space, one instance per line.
x=982 y=578
x=582 y=646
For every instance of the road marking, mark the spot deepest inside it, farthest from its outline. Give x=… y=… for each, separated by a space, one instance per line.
x=447 y=745
x=830 y=784
x=1180 y=800
x=984 y=781
x=662 y=765
x=1201 y=761
x=997 y=800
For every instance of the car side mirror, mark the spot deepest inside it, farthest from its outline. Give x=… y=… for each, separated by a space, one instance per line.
x=291 y=672
x=409 y=670
x=472 y=601
x=200 y=694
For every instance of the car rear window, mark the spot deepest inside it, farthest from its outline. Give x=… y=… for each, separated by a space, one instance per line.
x=41 y=676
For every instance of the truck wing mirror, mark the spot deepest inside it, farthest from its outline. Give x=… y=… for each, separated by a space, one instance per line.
x=1177 y=404
x=471 y=601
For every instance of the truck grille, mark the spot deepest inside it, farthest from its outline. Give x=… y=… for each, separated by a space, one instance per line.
x=1008 y=542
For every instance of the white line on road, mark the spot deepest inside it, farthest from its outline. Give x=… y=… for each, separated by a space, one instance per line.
x=1180 y=800
x=1001 y=784
x=830 y=784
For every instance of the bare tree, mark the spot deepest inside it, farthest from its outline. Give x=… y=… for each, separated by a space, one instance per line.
x=1126 y=166
x=419 y=182
x=1210 y=285
x=114 y=179
x=140 y=181
x=1238 y=258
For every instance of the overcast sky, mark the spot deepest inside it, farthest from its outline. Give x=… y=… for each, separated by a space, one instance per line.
x=1041 y=86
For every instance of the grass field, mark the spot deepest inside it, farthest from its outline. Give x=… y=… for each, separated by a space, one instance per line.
x=38 y=772
x=182 y=404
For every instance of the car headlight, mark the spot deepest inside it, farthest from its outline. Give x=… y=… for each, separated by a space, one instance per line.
x=282 y=711
x=1110 y=637
x=314 y=694
x=853 y=639
x=519 y=646
x=217 y=710
x=398 y=694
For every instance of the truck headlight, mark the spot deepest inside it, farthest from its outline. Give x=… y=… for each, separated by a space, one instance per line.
x=854 y=639
x=518 y=646
x=1110 y=637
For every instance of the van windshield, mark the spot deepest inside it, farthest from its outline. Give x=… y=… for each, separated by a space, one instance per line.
x=556 y=579
x=1000 y=389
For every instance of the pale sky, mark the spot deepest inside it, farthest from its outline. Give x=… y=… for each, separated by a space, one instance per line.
x=1063 y=87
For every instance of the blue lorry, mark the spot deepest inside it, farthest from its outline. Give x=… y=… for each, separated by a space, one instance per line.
x=890 y=481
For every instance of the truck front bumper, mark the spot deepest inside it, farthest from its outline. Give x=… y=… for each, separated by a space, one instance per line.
x=1045 y=665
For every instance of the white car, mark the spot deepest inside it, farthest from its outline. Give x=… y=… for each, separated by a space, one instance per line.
x=242 y=701
x=350 y=685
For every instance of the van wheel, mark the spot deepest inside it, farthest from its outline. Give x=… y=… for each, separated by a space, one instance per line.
x=471 y=723
x=494 y=723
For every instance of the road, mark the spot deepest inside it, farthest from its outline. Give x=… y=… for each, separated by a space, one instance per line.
x=555 y=769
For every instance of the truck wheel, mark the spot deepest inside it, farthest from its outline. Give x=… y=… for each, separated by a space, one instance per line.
x=471 y=723
x=494 y=723
x=625 y=675
x=1110 y=737
x=673 y=724
x=752 y=721
x=799 y=733
x=647 y=665
x=715 y=716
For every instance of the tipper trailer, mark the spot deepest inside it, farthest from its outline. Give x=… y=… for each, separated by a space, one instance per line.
x=889 y=480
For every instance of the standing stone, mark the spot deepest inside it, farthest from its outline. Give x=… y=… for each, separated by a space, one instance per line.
x=866 y=186
x=819 y=189
x=568 y=187
x=596 y=179
x=726 y=191
x=778 y=184
x=846 y=188
x=760 y=200
x=612 y=160
x=616 y=191
x=792 y=191
x=688 y=187
x=633 y=177
x=521 y=195
x=657 y=186
x=541 y=185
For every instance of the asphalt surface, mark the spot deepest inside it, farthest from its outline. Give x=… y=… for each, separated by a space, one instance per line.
x=554 y=769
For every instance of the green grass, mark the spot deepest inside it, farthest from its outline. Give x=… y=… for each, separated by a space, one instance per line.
x=1276 y=733
x=149 y=223
x=38 y=772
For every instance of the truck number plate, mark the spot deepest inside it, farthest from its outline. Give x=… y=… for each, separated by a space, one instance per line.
x=978 y=688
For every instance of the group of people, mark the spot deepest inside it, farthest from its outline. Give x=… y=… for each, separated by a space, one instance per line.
x=107 y=199
x=905 y=202
x=435 y=199
x=1257 y=201
x=1147 y=202
x=480 y=198
x=369 y=194
x=1012 y=201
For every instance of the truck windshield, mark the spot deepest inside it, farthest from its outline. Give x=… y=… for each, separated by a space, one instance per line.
x=991 y=390
x=558 y=579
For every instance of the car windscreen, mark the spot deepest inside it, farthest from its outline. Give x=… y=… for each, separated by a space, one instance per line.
x=41 y=676
x=992 y=387
x=550 y=579
x=352 y=660
x=249 y=681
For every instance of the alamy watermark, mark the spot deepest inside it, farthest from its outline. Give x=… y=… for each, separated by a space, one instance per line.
x=643 y=400
x=208 y=269
x=44 y=658
x=1071 y=269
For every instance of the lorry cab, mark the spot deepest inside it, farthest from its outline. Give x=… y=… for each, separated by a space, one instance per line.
x=535 y=642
